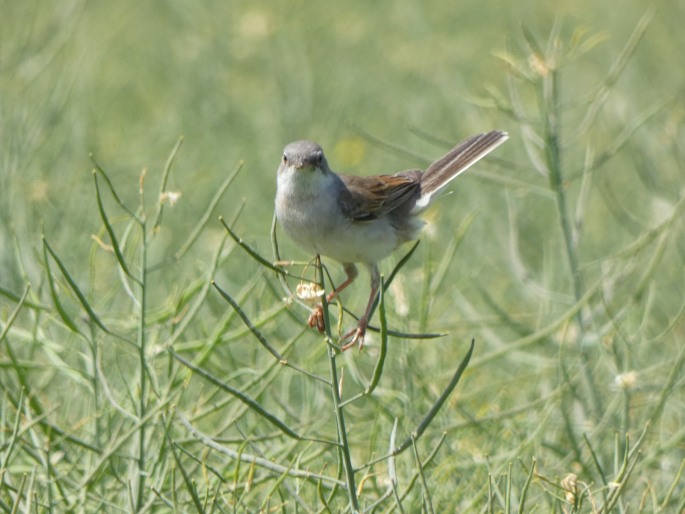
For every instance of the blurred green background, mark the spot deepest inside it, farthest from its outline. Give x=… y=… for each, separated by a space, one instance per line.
x=240 y=79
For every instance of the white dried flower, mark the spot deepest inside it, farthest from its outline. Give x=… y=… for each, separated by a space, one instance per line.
x=627 y=380
x=309 y=292
x=170 y=196
x=570 y=486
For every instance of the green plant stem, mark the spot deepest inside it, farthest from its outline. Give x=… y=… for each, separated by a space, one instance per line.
x=140 y=491
x=551 y=93
x=338 y=405
x=553 y=155
x=342 y=434
x=427 y=504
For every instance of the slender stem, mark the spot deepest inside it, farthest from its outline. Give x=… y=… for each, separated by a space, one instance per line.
x=140 y=491
x=338 y=406
x=552 y=137
x=556 y=183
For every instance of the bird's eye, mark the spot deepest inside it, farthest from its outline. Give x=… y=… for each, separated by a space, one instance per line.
x=285 y=159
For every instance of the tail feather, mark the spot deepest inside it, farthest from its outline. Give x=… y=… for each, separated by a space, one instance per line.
x=457 y=160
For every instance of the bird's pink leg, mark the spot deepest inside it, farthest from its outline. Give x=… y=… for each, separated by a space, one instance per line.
x=356 y=335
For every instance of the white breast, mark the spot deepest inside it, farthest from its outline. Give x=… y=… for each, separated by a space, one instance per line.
x=308 y=210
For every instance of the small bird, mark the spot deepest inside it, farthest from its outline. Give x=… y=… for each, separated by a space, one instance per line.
x=361 y=220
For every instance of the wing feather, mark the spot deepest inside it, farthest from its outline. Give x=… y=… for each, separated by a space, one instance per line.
x=369 y=198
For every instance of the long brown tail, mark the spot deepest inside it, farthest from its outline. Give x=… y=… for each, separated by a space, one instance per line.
x=457 y=160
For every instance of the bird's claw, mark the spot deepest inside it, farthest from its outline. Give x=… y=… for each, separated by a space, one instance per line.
x=353 y=337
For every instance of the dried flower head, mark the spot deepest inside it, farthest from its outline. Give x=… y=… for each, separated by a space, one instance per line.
x=309 y=292
x=627 y=380
x=570 y=486
x=170 y=196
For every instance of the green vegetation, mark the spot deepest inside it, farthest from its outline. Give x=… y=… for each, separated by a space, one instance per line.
x=153 y=357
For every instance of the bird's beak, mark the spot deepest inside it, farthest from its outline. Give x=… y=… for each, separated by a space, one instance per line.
x=303 y=166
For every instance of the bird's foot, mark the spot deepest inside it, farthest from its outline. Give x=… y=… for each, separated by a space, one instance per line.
x=355 y=336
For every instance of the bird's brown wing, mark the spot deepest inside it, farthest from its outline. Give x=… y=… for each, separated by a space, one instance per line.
x=369 y=198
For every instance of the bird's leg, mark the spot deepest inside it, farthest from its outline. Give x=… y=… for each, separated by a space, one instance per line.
x=352 y=273
x=316 y=316
x=356 y=335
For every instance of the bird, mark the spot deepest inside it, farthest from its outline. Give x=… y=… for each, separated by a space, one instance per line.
x=361 y=220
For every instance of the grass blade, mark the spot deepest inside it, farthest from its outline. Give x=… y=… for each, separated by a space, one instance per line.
x=116 y=197
x=13 y=316
x=378 y=369
x=240 y=456
x=255 y=331
x=163 y=183
x=426 y=421
x=206 y=215
x=186 y=477
x=251 y=403
x=251 y=251
x=72 y=283
x=110 y=230
x=64 y=316
x=526 y=486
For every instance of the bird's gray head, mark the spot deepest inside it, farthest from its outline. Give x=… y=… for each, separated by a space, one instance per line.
x=304 y=155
